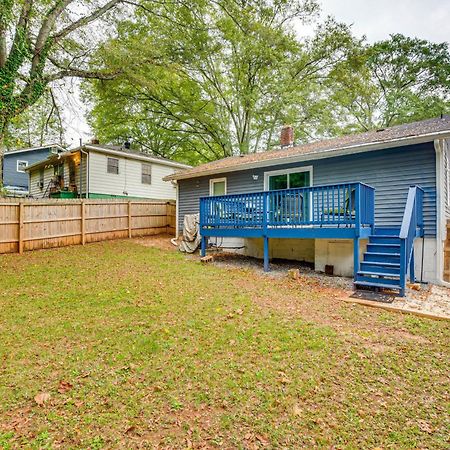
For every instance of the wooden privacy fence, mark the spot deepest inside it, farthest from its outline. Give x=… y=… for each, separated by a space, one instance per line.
x=30 y=225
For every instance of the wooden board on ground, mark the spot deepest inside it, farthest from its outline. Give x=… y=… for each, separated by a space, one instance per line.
x=392 y=307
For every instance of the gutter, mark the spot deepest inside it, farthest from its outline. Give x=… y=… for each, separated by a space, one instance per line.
x=177 y=202
x=330 y=153
x=139 y=157
x=30 y=149
x=87 y=172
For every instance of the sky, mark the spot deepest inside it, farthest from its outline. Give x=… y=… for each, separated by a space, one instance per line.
x=375 y=19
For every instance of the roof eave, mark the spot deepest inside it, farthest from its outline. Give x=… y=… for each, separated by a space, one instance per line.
x=138 y=157
x=331 y=153
x=30 y=149
x=51 y=159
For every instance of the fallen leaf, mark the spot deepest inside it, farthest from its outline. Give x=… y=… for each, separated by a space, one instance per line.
x=64 y=386
x=425 y=427
x=42 y=398
x=262 y=439
x=297 y=410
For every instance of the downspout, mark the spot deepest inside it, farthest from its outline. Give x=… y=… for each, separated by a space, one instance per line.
x=440 y=216
x=87 y=171
x=81 y=175
x=177 y=197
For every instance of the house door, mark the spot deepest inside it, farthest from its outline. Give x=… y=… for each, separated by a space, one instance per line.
x=288 y=207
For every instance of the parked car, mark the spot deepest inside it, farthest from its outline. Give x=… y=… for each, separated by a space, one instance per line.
x=16 y=191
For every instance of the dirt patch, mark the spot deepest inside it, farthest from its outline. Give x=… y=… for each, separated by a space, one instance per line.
x=161 y=241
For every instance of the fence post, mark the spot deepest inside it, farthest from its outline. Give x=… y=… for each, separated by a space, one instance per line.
x=21 y=229
x=83 y=223
x=129 y=219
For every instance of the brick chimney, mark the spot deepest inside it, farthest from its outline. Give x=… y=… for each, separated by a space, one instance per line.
x=287 y=136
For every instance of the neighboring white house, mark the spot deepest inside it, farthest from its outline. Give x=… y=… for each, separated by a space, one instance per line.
x=103 y=171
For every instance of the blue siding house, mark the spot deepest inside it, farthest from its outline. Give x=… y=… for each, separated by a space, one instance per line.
x=373 y=205
x=16 y=161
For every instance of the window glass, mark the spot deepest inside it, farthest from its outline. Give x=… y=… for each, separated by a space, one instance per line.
x=299 y=179
x=21 y=166
x=218 y=188
x=41 y=178
x=113 y=165
x=278 y=182
x=146 y=174
x=58 y=170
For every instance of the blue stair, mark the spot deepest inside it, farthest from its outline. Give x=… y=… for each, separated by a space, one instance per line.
x=380 y=267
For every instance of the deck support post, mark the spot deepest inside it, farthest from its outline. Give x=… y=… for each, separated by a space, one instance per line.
x=266 y=254
x=355 y=257
x=204 y=243
x=412 y=275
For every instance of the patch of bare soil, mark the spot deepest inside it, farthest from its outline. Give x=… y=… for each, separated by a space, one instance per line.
x=161 y=241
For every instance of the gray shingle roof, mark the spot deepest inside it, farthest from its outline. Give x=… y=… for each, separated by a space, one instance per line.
x=118 y=148
x=332 y=147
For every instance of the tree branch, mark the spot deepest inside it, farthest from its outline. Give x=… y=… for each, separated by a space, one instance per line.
x=85 y=20
x=87 y=74
x=45 y=30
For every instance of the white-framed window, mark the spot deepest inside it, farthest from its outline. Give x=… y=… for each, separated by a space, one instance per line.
x=146 y=174
x=113 y=166
x=296 y=177
x=21 y=165
x=217 y=186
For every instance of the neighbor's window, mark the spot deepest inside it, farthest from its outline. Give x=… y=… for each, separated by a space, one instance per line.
x=146 y=174
x=218 y=186
x=21 y=166
x=41 y=178
x=113 y=165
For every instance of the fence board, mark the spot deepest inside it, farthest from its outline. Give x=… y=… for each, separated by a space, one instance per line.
x=30 y=225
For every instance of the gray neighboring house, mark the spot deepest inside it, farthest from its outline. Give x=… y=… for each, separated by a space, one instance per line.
x=15 y=163
x=387 y=161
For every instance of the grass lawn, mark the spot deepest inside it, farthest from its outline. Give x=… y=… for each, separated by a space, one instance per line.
x=140 y=347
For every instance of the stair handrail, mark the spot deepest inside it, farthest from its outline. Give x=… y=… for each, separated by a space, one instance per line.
x=412 y=227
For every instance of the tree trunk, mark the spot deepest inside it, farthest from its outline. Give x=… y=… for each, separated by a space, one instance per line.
x=2 y=150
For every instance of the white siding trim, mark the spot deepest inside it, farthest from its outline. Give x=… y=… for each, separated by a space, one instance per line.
x=21 y=161
x=287 y=171
x=177 y=206
x=439 y=146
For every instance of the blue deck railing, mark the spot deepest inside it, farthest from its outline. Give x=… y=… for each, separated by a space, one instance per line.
x=335 y=205
x=412 y=227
